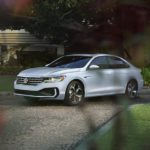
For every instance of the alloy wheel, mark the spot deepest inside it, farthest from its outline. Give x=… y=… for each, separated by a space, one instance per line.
x=131 y=89
x=75 y=93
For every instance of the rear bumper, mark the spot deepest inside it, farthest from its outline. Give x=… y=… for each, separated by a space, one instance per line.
x=141 y=85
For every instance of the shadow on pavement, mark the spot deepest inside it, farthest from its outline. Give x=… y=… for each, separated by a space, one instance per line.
x=19 y=101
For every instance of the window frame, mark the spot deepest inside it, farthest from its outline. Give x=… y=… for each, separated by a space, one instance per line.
x=100 y=67
x=124 y=65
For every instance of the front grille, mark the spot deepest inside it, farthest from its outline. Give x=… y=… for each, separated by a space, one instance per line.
x=29 y=80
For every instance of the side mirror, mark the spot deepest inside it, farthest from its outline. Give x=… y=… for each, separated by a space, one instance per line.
x=94 y=67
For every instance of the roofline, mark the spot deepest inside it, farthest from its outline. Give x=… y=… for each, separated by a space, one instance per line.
x=93 y=55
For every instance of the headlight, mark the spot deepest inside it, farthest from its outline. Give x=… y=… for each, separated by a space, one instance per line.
x=54 y=79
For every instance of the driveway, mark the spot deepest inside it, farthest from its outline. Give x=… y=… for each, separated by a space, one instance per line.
x=49 y=125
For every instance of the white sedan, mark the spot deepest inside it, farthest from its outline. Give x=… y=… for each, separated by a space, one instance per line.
x=73 y=78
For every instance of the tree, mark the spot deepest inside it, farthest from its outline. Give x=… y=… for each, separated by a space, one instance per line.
x=62 y=21
x=56 y=20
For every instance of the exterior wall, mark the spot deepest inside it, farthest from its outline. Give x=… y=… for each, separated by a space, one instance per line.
x=18 y=37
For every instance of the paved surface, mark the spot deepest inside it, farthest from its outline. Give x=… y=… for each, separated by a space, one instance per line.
x=50 y=125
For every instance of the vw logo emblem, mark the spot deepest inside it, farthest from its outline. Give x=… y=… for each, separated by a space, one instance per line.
x=25 y=80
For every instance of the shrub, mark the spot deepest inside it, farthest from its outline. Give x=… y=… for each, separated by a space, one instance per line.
x=146 y=75
x=10 y=70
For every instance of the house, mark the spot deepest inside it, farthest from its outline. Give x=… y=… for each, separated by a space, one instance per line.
x=13 y=42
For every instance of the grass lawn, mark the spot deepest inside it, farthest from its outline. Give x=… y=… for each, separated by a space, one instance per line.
x=130 y=132
x=6 y=83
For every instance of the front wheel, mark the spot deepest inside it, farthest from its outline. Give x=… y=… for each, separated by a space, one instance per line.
x=74 y=93
x=132 y=89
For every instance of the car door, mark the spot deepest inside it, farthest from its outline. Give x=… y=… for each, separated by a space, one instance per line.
x=119 y=69
x=98 y=77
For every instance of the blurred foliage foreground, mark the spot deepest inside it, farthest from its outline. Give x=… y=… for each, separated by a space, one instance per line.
x=128 y=131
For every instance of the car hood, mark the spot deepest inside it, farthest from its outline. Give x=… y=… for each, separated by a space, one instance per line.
x=45 y=71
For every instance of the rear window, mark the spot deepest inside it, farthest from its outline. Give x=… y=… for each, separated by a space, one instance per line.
x=116 y=63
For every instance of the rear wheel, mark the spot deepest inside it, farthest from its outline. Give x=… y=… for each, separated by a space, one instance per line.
x=74 y=93
x=132 y=89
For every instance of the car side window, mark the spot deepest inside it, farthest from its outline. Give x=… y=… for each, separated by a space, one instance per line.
x=100 y=61
x=116 y=63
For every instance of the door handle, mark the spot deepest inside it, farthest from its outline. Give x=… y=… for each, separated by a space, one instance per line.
x=87 y=76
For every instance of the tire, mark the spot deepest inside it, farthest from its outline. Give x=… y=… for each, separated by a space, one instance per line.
x=74 y=94
x=132 y=89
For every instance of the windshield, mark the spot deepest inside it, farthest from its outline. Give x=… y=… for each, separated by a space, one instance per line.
x=70 y=62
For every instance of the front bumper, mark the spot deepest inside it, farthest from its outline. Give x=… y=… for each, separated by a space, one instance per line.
x=45 y=93
x=43 y=90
